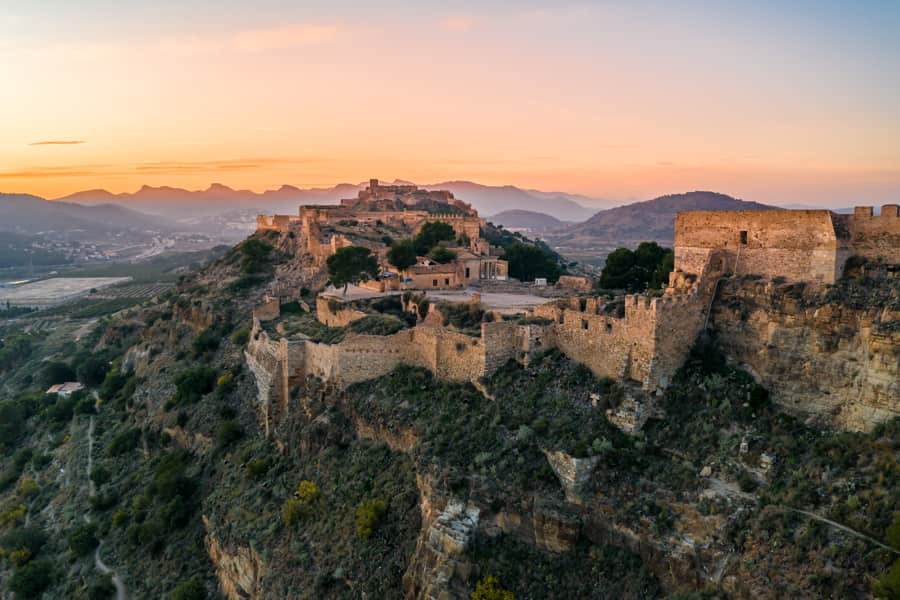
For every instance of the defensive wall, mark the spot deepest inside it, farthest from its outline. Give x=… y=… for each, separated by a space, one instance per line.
x=279 y=364
x=801 y=245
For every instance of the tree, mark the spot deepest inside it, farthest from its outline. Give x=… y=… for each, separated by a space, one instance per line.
x=83 y=539
x=402 y=254
x=635 y=271
x=31 y=580
x=368 y=516
x=526 y=262
x=432 y=234
x=254 y=255
x=190 y=589
x=92 y=370
x=489 y=588
x=349 y=264
x=56 y=372
x=442 y=255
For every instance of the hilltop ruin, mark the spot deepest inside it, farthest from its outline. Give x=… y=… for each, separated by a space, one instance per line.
x=637 y=340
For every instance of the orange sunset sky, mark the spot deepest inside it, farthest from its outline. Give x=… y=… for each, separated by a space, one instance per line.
x=615 y=100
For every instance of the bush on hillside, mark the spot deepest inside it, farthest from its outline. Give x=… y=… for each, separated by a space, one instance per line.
x=193 y=384
x=368 y=517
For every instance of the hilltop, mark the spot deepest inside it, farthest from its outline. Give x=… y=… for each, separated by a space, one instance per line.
x=526 y=219
x=651 y=219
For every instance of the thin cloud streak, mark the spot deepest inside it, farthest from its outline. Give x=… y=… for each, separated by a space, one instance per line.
x=159 y=168
x=57 y=143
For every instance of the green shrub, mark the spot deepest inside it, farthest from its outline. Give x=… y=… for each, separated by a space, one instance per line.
x=240 y=337
x=207 y=340
x=100 y=475
x=227 y=433
x=123 y=442
x=83 y=539
x=488 y=588
x=292 y=308
x=463 y=316
x=119 y=518
x=298 y=508
x=442 y=255
x=377 y=325
x=192 y=384
x=256 y=469
x=102 y=588
x=888 y=585
x=254 y=256
x=31 y=539
x=30 y=580
x=368 y=516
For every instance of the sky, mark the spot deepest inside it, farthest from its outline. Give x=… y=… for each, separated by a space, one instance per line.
x=795 y=104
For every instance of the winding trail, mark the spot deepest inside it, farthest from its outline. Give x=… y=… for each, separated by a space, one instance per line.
x=843 y=528
x=121 y=592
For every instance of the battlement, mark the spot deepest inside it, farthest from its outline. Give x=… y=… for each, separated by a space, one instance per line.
x=802 y=245
x=888 y=211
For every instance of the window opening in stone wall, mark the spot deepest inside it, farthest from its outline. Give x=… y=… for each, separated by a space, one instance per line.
x=434 y=283
x=744 y=238
x=584 y=324
x=609 y=328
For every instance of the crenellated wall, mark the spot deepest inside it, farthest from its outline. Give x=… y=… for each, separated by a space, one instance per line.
x=801 y=245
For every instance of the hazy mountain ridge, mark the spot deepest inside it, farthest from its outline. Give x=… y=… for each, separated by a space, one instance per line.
x=29 y=214
x=178 y=203
x=526 y=219
x=651 y=219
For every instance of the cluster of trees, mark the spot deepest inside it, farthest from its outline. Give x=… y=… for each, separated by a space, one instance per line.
x=429 y=242
x=647 y=267
x=527 y=262
x=350 y=264
x=254 y=256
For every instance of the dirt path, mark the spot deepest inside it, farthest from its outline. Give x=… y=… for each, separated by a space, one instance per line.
x=121 y=593
x=843 y=528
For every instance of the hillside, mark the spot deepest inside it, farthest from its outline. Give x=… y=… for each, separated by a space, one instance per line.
x=179 y=203
x=526 y=219
x=407 y=485
x=27 y=214
x=649 y=220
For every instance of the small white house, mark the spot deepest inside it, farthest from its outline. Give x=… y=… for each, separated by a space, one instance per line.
x=65 y=389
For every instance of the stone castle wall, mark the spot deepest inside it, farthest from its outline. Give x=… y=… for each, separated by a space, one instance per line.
x=875 y=237
x=796 y=244
x=339 y=316
x=802 y=245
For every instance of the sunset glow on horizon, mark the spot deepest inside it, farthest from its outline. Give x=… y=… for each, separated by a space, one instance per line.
x=613 y=100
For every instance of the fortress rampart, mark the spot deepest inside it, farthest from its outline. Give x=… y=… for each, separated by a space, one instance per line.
x=636 y=338
x=802 y=245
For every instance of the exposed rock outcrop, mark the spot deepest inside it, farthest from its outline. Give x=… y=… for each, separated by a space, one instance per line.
x=239 y=570
x=835 y=361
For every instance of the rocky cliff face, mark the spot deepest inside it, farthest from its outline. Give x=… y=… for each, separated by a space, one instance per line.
x=834 y=355
x=239 y=570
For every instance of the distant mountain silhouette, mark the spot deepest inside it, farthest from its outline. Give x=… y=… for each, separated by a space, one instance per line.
x=491 y=200
x=526 y=219
x=178 y=203
x=27 y=214
x=650 y=220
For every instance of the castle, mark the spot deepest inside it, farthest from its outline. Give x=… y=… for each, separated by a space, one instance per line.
x=402 y=210
x=638 y=340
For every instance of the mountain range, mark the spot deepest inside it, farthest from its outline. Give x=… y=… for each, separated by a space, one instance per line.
x=177 y=203
x=27 y=214
x=527 y=219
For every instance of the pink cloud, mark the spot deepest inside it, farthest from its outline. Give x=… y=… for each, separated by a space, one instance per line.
x=458 y=23
x=288 y=36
